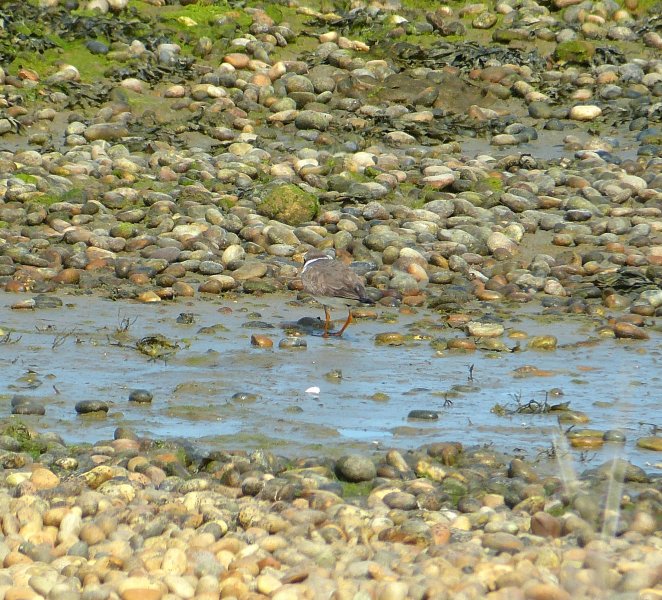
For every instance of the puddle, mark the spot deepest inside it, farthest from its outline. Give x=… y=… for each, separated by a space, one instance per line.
x=71 y=354
x=550 y=145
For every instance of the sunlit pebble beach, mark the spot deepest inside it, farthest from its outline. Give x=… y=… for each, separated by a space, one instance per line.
x=173 y=152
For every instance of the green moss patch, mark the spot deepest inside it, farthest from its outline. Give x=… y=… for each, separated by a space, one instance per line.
x=575 y=51
x=289 y=204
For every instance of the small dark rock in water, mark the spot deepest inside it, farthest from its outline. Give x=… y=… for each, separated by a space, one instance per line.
x=85 y=407
x=293 y=343
x=20 y=399
x=310 y=322
x=25 y=405
x=141 y=396
x=355 y=468
x=44 y=301
x=28 y=408
x=424 y=415
x=257 y=325
x=389 y=339
x=124 y=433
x=186 y=318
x=245 y=397
x=334 y=375
x=615 y=436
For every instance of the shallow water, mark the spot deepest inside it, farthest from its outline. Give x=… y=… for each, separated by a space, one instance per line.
x=70 y=354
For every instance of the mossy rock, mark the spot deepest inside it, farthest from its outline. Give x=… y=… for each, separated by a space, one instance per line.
x=195 y=193
x=575 y=51
x=288 y=204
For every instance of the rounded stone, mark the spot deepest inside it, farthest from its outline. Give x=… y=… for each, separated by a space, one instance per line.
x=30 y=407
x=140 y=396
x=423 y=415
x=389 y=339
x=543 y=342
x=650 y=443
x=85 y=407
x=44 y=479
x=401 y=501
x=585 y=112
x=293 y=343
x=615 y=436
x=355 y=468
x=545 y=525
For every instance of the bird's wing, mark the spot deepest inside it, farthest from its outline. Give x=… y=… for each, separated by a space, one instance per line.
x=337 y=280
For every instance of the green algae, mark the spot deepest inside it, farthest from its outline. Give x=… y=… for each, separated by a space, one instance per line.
x=17 y=430
x=575 y=51
x=356 y=490
x=289 y=204
x=25 y=177
x=72 y=52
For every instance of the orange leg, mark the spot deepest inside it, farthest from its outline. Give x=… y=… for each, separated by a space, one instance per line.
x=327 y=322
x=345 y=326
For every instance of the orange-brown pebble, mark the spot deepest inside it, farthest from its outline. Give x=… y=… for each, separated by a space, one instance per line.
x=16 y=558
x=586 y=442
x=633 y=319
x=418 y=300
x=364 y=313
x=68 y=276
x=532 y=371
x=183 y=290
x=545 y=591
x=211 y=286
x=96 y=264
x=124 y=444
x=457 y=320
x=141 y=594
x=261 y=79
x=139 y=278
x=165 y=293
x=441 y=534
x=439 y=261
x=44 y=479
x=488 y=295
x=629 y=331
x=23 y=305
x=545 y=525
x=16 y=286
x=148 y=297
x=21 y=593
x=614 y=248
x=461 y=344
x=237 y=59
x=261 y=341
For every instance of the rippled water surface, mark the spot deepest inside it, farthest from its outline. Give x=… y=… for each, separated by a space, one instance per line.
x=365 y=391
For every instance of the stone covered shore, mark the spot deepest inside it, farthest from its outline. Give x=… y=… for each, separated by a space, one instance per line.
x=459 y=156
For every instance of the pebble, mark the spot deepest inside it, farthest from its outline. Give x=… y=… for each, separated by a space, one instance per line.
x=85 y=407
x=543 y=342
x=141 y=396
x=355 y=468
x=585 y=112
